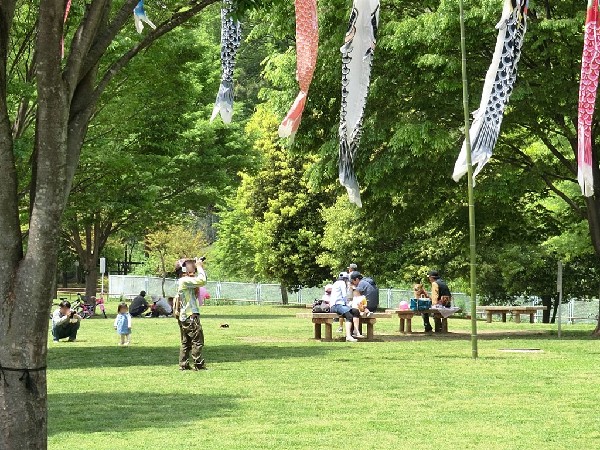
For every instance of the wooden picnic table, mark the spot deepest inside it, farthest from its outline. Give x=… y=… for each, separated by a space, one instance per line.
x=516 y=311
x=326 y=319
x=406 y=315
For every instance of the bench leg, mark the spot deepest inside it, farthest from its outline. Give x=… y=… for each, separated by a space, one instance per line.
x=360 y=327
x=503 y=317
x=531 y=319
x=489 y=317
x=402 y=325
x=317 y=331
x=409 y=325
x=328 y=332
x=517 y=317
x=369 y=330
x=444 y=325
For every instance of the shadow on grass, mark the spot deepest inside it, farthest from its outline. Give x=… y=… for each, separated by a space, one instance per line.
x=206 y=315
x=484 y=335
x=127 y=411
x=72 y=357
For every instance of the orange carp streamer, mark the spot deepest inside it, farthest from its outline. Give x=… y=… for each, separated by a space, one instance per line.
x=307 y=44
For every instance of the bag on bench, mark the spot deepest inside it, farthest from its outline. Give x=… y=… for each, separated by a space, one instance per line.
x=420 y=304
x=320 y=307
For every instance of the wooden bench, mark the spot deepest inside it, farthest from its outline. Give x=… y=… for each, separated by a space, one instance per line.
x=406 y=315
x=326 y=319
x=516 y=311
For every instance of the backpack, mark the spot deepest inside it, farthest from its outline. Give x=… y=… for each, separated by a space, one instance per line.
x=176 y=306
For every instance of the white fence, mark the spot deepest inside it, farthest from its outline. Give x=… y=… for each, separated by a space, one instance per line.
x=129 y=286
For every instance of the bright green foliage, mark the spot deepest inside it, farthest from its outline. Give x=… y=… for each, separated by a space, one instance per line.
x=414 y=216
x=151 y=156
x=273 y=230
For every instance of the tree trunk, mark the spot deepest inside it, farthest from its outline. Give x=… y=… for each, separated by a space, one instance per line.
x=91 y=282
x=547 y=302
x=26 y=282
x=284 y=294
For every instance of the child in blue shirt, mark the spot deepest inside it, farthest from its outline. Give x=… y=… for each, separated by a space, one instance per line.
x=123 y=323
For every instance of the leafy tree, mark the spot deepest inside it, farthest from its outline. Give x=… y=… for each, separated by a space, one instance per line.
x=171 y=243
x=281 y=211
x=58 y=97
x=150 y=155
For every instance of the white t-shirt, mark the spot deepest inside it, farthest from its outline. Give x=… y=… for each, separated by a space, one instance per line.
x=338 y=293
x=164 y=304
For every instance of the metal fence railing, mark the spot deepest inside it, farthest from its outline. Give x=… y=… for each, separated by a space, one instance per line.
x=128 y=286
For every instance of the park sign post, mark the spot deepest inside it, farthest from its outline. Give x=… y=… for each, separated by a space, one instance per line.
x=472 y=248
x=102 y=271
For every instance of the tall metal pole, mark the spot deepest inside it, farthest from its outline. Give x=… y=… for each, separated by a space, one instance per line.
x=560 y=294
x=472 y=248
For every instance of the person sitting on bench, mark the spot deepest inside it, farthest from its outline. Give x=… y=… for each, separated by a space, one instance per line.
x=340 y=307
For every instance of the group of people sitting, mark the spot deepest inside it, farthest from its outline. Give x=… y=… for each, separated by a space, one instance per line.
x=351 y=296
x=160 y=306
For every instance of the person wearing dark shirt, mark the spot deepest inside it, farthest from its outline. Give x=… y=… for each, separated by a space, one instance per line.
x=366 y=287
x=440 y=295
x=138 y=305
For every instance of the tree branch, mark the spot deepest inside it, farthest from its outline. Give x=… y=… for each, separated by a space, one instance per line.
x=546 y=178
x=176 y=20
x=95 y=13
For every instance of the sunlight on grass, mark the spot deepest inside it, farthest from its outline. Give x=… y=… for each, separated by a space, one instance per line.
x=270 y=386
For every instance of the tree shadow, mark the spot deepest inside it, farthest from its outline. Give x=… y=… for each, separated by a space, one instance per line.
x=127 y=411
x=496 y=335
x=73 y=357
x=205 y=315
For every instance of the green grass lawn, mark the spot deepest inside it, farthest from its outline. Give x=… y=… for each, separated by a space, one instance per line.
x=270 y=386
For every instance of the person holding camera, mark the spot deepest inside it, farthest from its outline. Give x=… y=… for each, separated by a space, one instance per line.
x=65 y=322
x=187 y=311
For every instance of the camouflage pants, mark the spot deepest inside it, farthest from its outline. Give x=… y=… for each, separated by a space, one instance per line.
x=192 y=341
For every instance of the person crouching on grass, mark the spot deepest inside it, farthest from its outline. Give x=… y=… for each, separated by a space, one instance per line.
x=187 y=311
x=65 y=322
x=123 y=324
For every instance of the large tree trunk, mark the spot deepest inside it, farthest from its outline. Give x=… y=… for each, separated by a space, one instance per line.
x=26 y=282
x=91 y=282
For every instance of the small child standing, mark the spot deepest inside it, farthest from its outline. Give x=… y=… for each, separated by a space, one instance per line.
x=123 y=323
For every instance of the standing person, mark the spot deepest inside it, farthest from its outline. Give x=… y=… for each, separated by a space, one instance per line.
x=440 y=295
x=366 y=286
x=340 y=307
x=123 y=324
x=187 y=311
x=65 y=322
x=138 y=305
